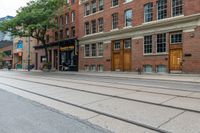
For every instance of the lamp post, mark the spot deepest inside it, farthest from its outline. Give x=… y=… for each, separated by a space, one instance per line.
x=29 y=53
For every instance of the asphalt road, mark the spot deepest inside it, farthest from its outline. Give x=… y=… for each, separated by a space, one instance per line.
x=19 y=115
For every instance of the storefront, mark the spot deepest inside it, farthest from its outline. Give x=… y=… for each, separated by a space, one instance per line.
x=68 y=56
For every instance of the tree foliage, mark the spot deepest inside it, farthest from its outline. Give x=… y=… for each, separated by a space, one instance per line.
x=35 y=19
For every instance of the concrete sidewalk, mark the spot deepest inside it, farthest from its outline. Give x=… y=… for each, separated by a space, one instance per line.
x=195 y=78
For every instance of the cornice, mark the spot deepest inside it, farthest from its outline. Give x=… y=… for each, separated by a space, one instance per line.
x=165 y=25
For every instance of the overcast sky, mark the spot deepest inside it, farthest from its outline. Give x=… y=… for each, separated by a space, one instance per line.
x=9 y=7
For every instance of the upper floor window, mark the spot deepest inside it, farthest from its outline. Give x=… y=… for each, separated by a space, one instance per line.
x=87 y=28
x=100 y=25
x=147 y=44
x=61 y=34
x=176 y=38
x=162 y=9
x=56 y=36
x=67 y=33
x=177 y=7
x=114 y=20
x=93 y=26
x=101 y=5
x=87 y=9
x=148 y=12
x=128 y=17
x=115 y=2
x=161 y=43
x=61 y=20
x=73 y=16
x=94 y=6
x=47 y=38
x=67 y=18
x=73 y=31
x=126 y=1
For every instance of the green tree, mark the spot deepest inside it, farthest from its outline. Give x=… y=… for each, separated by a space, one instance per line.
x=35 y=19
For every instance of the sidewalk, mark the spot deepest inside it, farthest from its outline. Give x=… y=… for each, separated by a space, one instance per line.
x=194 y=78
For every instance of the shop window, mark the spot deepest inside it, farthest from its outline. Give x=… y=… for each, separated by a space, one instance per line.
x=147 y=68
x=161 y=69
x=100 y=68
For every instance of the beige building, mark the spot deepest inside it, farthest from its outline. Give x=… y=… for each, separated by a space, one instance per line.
x=21 y=50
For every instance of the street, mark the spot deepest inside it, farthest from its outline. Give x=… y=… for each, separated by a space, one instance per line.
x=116 y=104
x=18 y=115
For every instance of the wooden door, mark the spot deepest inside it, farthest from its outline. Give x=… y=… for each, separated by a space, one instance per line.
x=176 y=56
x=121 y=55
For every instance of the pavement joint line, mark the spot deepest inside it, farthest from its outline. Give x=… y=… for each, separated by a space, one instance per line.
x=171 y=119
x=93 y=117
x=168 y=100
x=96 y=101
x=120 y=88
x=115 y=96
x=92 y=110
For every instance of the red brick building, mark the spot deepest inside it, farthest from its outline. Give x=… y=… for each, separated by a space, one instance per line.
x=6 y=52
x=62 y=42
x=127 y=35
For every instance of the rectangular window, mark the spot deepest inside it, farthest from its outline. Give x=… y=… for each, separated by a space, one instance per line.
x=94 y=49
x=101 y=5
x=67 y=33
x=128 y=17
x=87 y=28
x=87 y=50
x=73 y=16
x=147 y=44
x=67 y=18
x=61 y=21
x=115 y=2
x=161 y=43
x=177 y=7
x=115 y=21
x=87 y=9
x=127 y=43
x=100 y=25
x=148 y=12
x=93 y=26
x=100 y=49
x=176 y=38
x=61 y=34
x=94 y=6
x=117 y=45
x=147 y=68
x=162 y=9
x=73 y=31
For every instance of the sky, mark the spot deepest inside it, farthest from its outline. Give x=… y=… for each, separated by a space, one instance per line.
x=9 y=7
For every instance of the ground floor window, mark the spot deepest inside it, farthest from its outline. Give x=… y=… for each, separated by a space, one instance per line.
x=100 y=68
x=87 y=68
x=93 y=68
x=94 y=50
x=161 y=69
x=147 y=68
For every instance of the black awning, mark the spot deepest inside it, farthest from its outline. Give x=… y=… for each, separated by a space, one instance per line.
x=57 y=43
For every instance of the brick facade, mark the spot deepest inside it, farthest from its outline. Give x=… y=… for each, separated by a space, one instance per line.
x=187 y=23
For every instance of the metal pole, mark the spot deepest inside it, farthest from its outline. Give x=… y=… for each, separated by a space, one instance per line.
x=29 y=53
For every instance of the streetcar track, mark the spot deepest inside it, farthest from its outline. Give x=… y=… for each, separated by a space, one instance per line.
x=120 y=88
x=112 y=96
x=92 y=110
